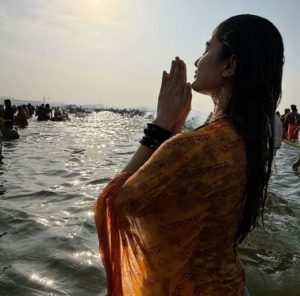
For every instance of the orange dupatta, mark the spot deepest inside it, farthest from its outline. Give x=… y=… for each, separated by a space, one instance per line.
x=150 y=223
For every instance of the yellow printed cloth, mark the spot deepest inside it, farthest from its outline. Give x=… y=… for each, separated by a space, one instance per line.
x=169 y=228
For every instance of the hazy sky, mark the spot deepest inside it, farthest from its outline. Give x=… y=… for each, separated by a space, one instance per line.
x=113 y=51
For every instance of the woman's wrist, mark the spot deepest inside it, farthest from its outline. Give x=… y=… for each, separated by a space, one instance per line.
x=163 y=124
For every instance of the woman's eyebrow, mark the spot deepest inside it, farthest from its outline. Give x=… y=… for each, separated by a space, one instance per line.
x=207 y=44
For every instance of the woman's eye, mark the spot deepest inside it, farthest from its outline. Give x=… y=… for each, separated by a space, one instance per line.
x=207 y=47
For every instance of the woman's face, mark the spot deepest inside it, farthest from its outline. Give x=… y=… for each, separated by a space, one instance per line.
x=209 y=75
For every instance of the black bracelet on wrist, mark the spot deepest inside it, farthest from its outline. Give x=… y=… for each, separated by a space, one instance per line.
x=150 y=143
x=154 y=136
x=156 y=132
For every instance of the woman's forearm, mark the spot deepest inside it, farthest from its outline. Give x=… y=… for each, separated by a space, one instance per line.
x=141 y=155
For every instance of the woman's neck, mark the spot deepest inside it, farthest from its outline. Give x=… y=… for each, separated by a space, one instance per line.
x=220 y=100
x=217 y=114
x=219 y=110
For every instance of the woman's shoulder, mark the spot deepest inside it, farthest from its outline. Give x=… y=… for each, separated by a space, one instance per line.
x=211 y=138
x=218 y=130
x=214 y=140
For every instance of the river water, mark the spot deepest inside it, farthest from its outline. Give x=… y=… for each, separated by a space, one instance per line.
x=49 y=180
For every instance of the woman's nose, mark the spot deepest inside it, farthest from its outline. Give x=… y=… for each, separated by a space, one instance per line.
x=196 y=63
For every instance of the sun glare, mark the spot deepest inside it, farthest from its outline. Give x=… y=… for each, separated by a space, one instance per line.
x=93 y=7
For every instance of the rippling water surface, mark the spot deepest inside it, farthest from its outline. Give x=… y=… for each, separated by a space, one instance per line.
x=49 y=180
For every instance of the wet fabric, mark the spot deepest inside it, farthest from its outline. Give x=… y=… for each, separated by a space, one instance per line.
x=293 y=131
x=169 y=228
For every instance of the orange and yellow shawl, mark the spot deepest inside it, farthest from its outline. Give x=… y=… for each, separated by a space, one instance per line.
x=169 y=228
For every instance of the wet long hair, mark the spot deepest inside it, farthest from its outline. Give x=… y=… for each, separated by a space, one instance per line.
x=258 y=49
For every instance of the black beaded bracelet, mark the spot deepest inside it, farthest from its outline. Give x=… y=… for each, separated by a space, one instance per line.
x=156 y=132
x=154 y=136
x=150 y=143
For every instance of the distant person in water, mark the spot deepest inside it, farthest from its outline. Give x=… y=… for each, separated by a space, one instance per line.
x=31 y=110
x=43 y=113
x=278 y=132
x=9 y=132
x=9 y=111
x=21 y=117
x=284 y=125
x=40 y=113
x=293 y=122
x=48 y=111
x=26 y=111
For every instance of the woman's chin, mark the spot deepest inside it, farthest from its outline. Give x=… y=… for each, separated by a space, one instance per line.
x=195 y=86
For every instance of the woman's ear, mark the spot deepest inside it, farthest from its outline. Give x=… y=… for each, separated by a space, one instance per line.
x=229 y=67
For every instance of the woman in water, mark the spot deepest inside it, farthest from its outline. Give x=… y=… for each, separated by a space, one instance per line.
x=170 y=222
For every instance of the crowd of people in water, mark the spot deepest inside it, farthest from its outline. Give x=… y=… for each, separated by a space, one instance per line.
x=13 y=117
x=290 y=123
x=286 y=128
x=287 y=125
